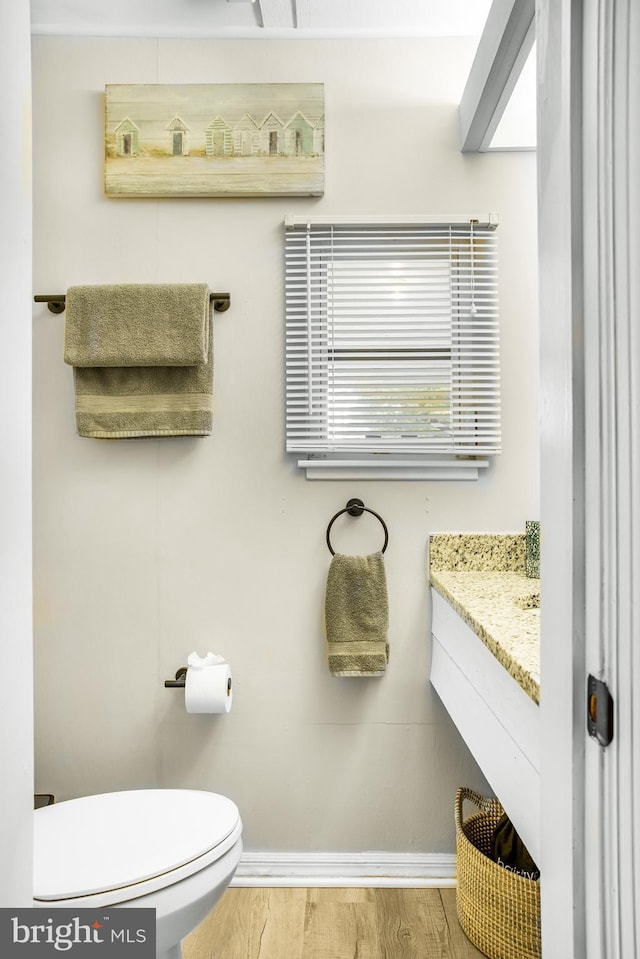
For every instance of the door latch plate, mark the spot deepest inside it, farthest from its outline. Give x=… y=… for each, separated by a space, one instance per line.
x=599 y=711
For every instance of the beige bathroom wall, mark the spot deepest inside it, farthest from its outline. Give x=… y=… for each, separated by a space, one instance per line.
x=146 y=550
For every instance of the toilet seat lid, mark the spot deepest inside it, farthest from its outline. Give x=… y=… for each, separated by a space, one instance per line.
x=107 y=842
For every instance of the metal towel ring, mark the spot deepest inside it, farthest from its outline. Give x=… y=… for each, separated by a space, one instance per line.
x=355 y=507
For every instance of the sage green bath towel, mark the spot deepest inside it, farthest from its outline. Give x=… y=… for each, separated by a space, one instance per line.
x=357 y=615
x=129 y=402
x=142 y=357
x=138 y=324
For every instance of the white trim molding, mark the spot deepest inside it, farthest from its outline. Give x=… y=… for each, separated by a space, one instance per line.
x=366 y=869
x=562 y=508
x=454 y=468
x=489 y=220
x=504 y=46
x=276 y=13
x=611 y=150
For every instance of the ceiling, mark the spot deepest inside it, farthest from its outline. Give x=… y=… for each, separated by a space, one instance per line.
x=295 y=19
x=261 y=19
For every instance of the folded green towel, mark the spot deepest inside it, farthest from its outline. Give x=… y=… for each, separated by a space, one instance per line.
x=357 y=615
x=137 y=324
x=128 y=402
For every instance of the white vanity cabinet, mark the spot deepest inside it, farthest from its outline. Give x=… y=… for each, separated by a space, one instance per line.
x=497 y=719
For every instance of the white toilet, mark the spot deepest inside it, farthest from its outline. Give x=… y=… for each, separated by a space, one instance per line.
x=173 y=850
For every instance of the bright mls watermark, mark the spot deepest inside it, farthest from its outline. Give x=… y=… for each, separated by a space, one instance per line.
x=78 y=933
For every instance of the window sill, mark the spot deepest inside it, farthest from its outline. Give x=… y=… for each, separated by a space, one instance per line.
x=393 y=469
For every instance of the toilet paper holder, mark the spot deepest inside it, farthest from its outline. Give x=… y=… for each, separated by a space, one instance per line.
x=181 y=679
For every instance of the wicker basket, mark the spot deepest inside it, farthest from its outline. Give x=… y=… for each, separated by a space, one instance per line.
x=498 y=909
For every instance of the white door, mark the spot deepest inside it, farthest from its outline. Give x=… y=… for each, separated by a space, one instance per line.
x=611 y=173
x=589 y=222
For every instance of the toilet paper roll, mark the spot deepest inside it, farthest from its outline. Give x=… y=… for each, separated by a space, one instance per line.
x=208 y=689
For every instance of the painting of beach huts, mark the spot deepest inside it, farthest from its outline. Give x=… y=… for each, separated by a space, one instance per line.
x=220 y=139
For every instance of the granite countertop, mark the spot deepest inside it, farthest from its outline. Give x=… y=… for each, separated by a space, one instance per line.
x=483 y=577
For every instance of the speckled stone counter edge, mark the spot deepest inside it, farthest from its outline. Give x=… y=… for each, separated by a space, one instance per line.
x=460 y=552
x=483 y=552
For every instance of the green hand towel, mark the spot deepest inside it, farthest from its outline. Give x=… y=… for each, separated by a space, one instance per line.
x=357 y=615
x=137 y=324
x=129 y=402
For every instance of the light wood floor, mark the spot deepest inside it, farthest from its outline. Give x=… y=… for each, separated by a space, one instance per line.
x=332 y=924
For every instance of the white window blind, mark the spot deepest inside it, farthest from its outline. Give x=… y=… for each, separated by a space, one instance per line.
x=392 y=339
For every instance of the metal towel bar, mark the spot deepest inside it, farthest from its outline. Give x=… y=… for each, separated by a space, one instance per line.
x=56 y=301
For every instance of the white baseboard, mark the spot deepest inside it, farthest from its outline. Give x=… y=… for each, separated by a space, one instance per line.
x=373 y=869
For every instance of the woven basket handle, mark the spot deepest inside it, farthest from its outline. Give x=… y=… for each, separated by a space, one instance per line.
x=482 y=802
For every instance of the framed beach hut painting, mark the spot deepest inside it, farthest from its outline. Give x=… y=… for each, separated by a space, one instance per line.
x=220 y=139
